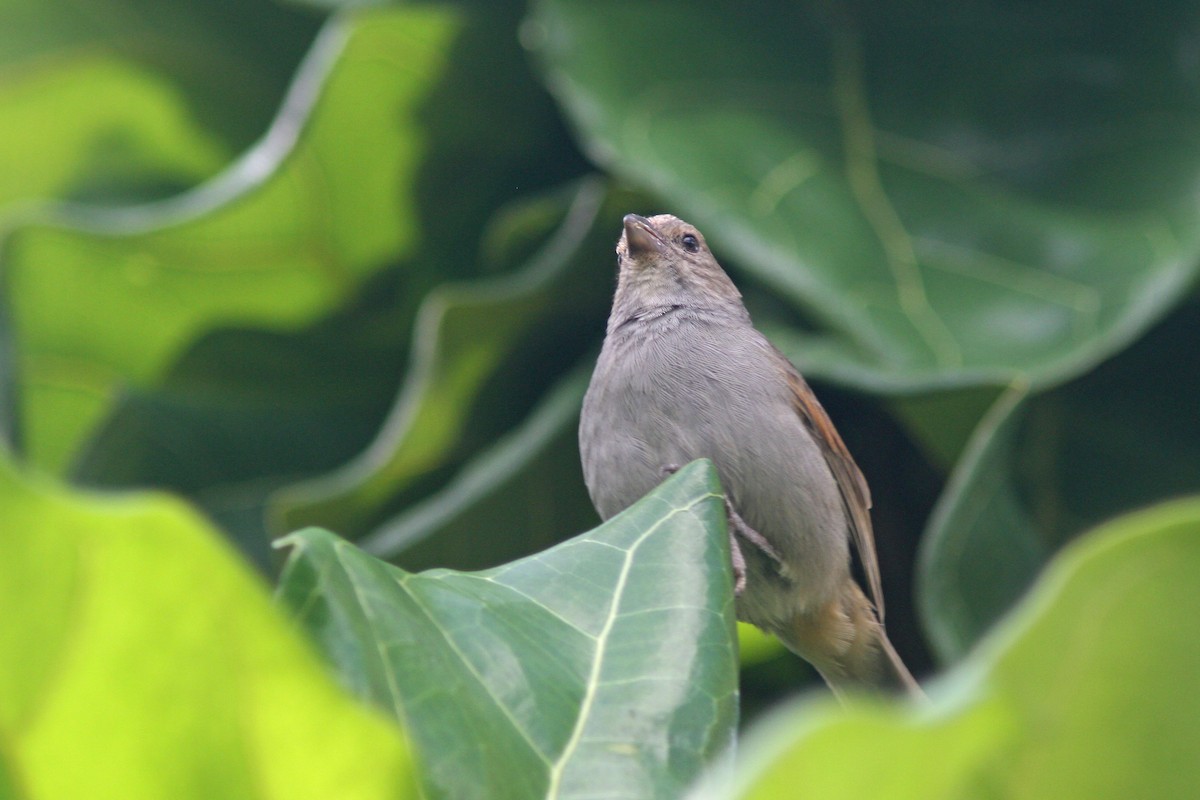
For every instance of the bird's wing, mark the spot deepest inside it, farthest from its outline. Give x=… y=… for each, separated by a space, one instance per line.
x=855 y=494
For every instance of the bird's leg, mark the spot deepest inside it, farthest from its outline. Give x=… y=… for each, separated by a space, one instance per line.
x=739 y=564
x=738 y=527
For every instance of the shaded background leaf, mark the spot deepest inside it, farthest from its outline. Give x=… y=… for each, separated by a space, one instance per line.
x=243 y=403
x=1042 y=469
x=227 y=56
x=274 y=248
x=1030 y=216
x=466 y=337
x=123 y=100
x=513 y=486
x=129 y=136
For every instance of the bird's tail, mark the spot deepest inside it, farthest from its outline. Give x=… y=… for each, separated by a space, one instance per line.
x=847 y=644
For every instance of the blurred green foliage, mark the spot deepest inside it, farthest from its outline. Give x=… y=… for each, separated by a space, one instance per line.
x=347 y=264
x=143 y=659
x=1088 y=690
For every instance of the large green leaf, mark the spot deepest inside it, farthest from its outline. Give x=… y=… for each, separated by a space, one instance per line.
x=127 y=132
x=283 y=237
x=962 y=193
x=142 y=659
x=514 y=487
x=981 y=550
x=256 y=409
x=227 y=61
x=1039 y=470
x=1090 y=690
x=252 y=410
x=469 y=337
x=602 y=667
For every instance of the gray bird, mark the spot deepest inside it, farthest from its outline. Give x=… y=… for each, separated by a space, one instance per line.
x=683 y=374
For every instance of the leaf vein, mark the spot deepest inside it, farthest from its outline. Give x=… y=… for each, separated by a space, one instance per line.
x=589 y=698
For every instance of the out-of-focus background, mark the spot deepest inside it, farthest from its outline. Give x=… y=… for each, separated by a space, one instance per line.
x=348 y=264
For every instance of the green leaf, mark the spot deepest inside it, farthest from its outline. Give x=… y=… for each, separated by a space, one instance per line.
x=466 y=336
x=514 y=488
x=1039 y=470
x=942 y=422
x=604 y=666
x=1089 y=690
x=1101 y=654
x=1005 y=193
x=821 y=751
x=227 y=61
x=257 y=409
x=142 y=659
x=981 y=550
x=127 y=131
x=285 y=236
x=251 y=409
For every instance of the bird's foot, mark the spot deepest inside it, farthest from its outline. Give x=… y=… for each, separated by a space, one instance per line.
x=738 y=527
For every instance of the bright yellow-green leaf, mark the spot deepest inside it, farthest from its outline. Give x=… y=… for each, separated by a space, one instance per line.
x=1089 y=690
x=102 y=299
x=68 y=121
x=755 y=645
x=142 y=659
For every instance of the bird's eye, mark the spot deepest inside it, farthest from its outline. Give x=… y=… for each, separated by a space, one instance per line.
x=690 y=243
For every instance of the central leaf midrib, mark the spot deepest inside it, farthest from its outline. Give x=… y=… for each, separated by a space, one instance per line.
x=559 y=765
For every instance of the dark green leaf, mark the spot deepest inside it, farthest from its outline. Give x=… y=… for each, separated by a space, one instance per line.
x=1040 y=470
x=964 y=193
x=943 y=422
x=227 y=61
x=515 y=488
x=468 y=337
x=243 y=413
x=981 y=549
x=605 y=666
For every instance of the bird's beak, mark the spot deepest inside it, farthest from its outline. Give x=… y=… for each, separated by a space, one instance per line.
x=641 y=237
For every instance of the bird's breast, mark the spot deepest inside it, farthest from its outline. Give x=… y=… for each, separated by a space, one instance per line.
x=671 y=395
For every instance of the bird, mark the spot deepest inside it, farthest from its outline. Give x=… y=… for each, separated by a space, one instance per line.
x=683 y=374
